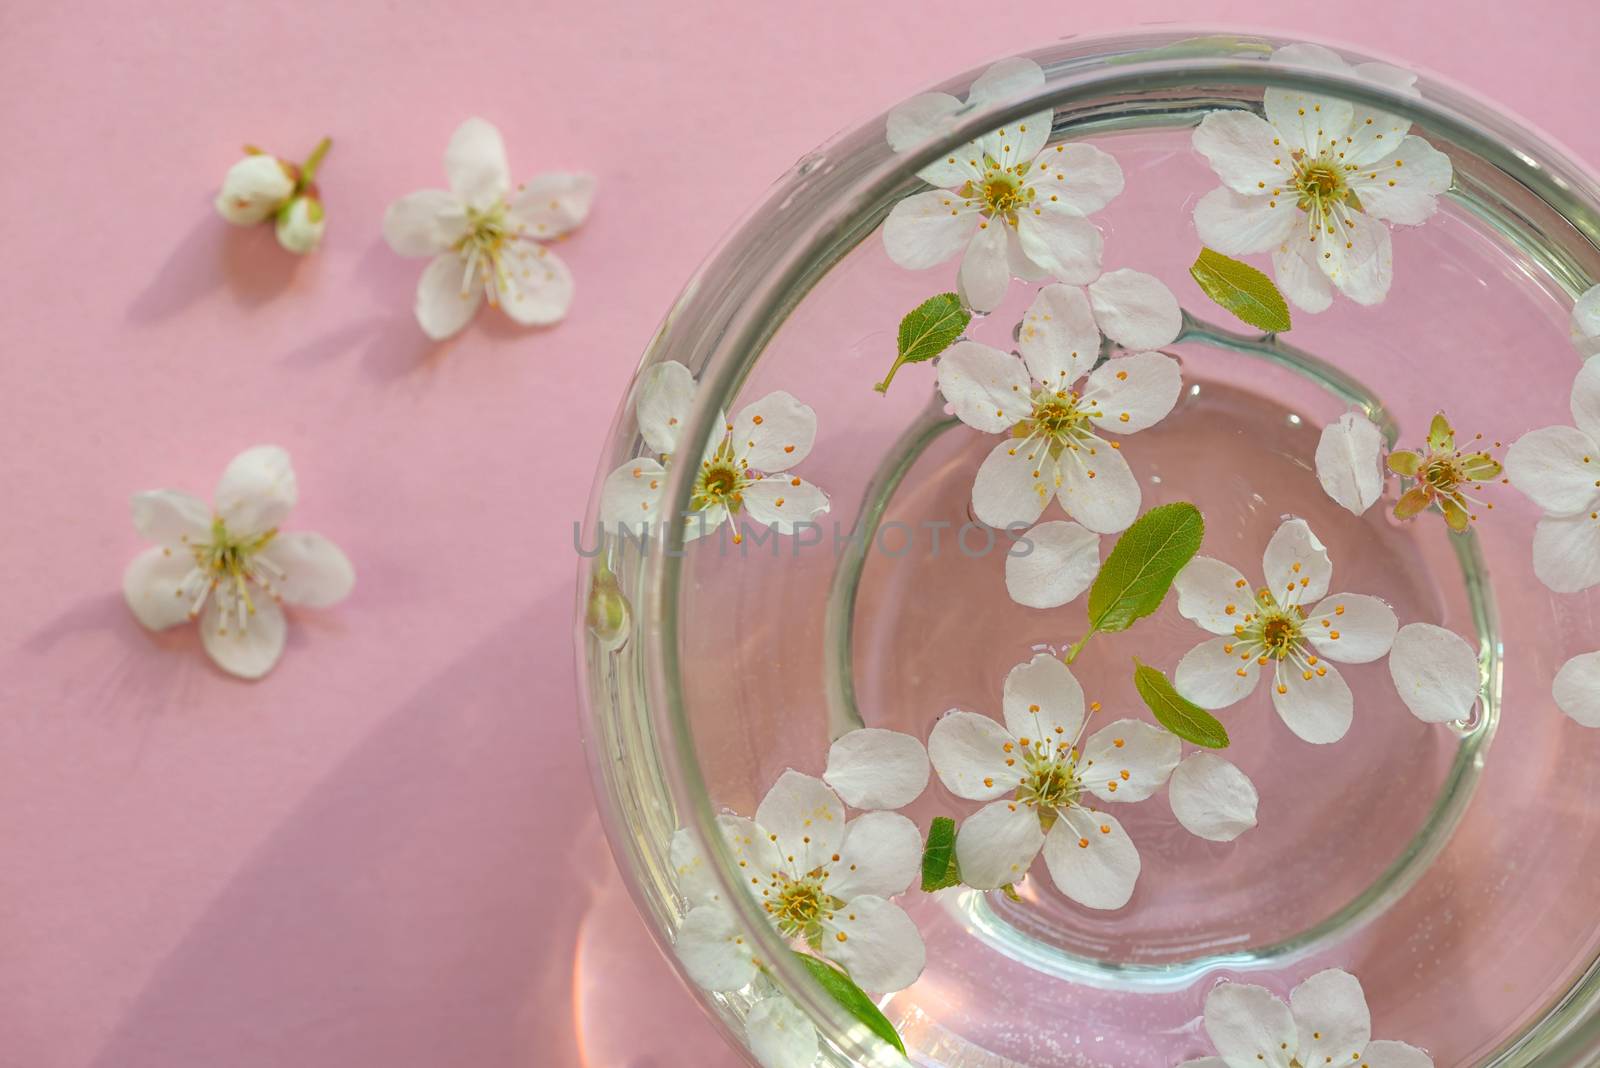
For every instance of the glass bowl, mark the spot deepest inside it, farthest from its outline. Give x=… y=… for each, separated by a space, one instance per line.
x=1450 y=866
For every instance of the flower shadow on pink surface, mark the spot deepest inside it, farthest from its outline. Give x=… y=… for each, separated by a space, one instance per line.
x=403 y=867
x=211 y=255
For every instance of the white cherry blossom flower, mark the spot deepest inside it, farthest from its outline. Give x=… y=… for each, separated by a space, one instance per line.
x=1435 y=672
x=745 y=471
x=1061 y=562
x=1274 y=625
x=1315 y=181
x=229 y=565
x=485 y=238
x=1558 y=468
x=1015 y=205
x=1350 y=462
x=1326 y=1022
x=1212 y=798
x=254 y=188
x=824 y=883
x=1040 y=781
x=1577 y=689
x=1053 y=431
x=1586 y=322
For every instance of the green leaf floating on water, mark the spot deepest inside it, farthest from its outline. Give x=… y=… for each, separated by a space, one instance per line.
x=843 y=989
x=939 y=866
x=927 y=330
x=1175 y=712
x=1242 y=290
x=1142 y=565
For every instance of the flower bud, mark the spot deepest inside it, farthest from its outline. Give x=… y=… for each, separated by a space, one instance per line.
x=608 y=614
x=300 y=224
x=254 y=188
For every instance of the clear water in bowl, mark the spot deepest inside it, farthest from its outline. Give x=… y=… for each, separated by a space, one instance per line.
x=1453 y=868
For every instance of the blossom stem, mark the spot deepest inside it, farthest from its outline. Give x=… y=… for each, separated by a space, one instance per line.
x=1077 y=646
x=308 y=169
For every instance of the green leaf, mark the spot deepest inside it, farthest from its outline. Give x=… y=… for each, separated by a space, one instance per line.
x=1175 y=712
x=927 y=330
x=939 y=866
x=1142 y=565
x=842 y=989
x=1243 y=290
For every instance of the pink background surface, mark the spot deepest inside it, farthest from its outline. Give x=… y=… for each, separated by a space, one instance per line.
x=386 y=852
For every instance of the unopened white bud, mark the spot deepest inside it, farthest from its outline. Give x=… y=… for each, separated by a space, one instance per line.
x=254 y=188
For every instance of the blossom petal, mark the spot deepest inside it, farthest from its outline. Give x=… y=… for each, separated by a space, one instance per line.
x=1019 y=263
x=661 y=403
x=1238 y=225
x=171 y=517
x=872 y=768
x=1557 y=468
x=969 y=752
x=1213 y=594
x=1386 y=1054
x=1014 y=484
x=1404 y=187
x=780 y=1034
x=444 y=304
x=1352 y=628
x=1062 y=241
x=1078 y=177
x=1319 y=709
x=1358 y=258
x=996 y=845
x=1577 y=689
x=1566 y=552
x=1299 y=278
x=1307 y=120
x=551 y=204
x=256 y=491
x=1586 y=398
x=1242 y=148
x=926 y=229
x=784 y=502
x=316 y=572
x=987 y=388
x=1043 y=702
x=804 y=820
x=535 y=286
x=1098 y=489
x=922 y=119
x=1129 y=760
x=1062 y=562
x=1297 y=564
x=714 y=950
x=881 y=854
x=1128 y=394
x=985 y=273
x=248 y=653
x=630 y=499
x=1250 y=1026
x=1091 y=859
x=1586 y=322
x=1136 y=310
x=748 y=844
x=1435 y=672
x=1058 y=337
x=1330 y=1012
x=475 y=164
x=424 y=223
x=1213 y=676
x=1373 y=133
x=1348 y=462
x=1212 y=798
x=153 y=587
x=1012 y=79
x=775 y=432
x=1206 y=1062
x=876 y=942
